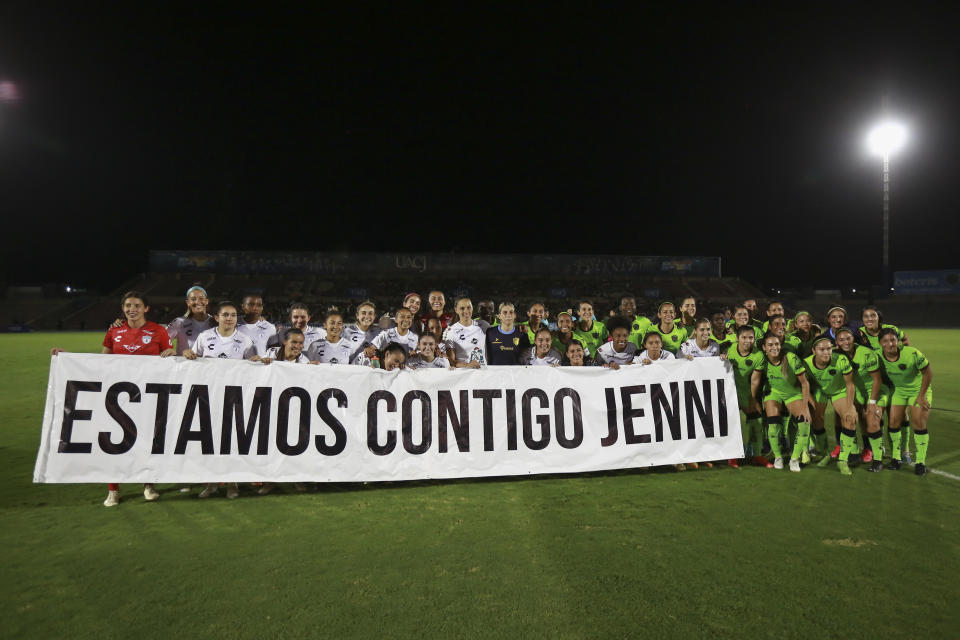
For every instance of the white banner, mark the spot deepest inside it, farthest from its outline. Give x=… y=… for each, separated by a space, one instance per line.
x=145 y=419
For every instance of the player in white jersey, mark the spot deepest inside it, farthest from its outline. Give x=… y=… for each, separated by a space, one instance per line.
x=335 y=348
x=224 y=340
x=185 y=329
x=542 y=352
x=299 y=319
x=254 y=325
x=290 y=351
x=362 y=333
x=426 y=356
x=401 y=334
x=701 y=345
x=466 y=338
x=619 y=351
x=653 y=350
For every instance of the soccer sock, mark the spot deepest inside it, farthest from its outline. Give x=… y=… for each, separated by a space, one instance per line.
x=774 y=429
x=836 y=433
x=113 y=486
x=820 y=439
x=876 y=445
x=905 y=440
x=921 y=438
x=803 y=439
x=848 y=441
x=755 y=431
x=894 y=443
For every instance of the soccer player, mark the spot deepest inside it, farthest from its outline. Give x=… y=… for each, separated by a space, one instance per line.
x=638 y=324
x=335 y=348
x=575 y=355
x=911 y=375
x=401 y=334
x=137 y=336
x=588 y=331
x=426 y=356
x=299 y=320
x=505 y=341
x=741 y=317
x=619 y=351
x=805 y=331
x=718 y=331
x=787 y=382
x=535 y=315
x=872 y=324
x=688 y=315
x=832 y=380
x=653 y=350
x=254 y=325
x=872 y=394
x=745 y=357
x=435 y=328
x=466 y=338
x=290 y=351
x=364 y=330
x=394 y=357
x=701 y=345
x=412 y=302
x=836 y=318
x=225 y=340
x=437 y=302
x=185 y=329
x=750 y=304
x=542 y=353
x=485 y=318
x=774 y=309
x=777 y=325
x=565 y=332
x=672 y=334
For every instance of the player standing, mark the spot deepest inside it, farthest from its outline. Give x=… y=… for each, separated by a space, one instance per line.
x=872 y=394
x=672 y=334
x=688 y=315
x=745 y=358
x=363 y=331
x=588 y=331
x=832 y=380
x=185 y=329
x=401 y=334
x=701 y=345
x=910 y=372
x=542 y=352
x=427 y=356
x=335 y=348
x=254 y=325
x=466 y=338
x=619 y=351
x=505 y=341
x=787 y=382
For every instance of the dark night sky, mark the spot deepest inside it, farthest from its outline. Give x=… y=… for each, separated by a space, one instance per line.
x=731 y=130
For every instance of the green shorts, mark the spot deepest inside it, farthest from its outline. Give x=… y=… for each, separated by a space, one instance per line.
x=779 y=396
x=819 y=395
x=907 y=397
x=883 y=400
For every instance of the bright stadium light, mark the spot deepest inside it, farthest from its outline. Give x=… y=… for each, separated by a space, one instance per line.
x=885 y=139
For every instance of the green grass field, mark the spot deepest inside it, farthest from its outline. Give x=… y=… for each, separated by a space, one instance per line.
x=718 y=552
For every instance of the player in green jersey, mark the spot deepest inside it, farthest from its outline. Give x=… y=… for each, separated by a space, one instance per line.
x=805 y=331
x=787 y=385
x=536 y=314
x=745 y=356
x=564 y=335
x=778 y=327
x=672 y=334
x=872 y=394
x=718 y=331
x=741 y=316
x=774 y=309
x=688 y=315
x=638 y=324
x=872 y=324
x=910 y=373
x=589 y=331
x=831 y=376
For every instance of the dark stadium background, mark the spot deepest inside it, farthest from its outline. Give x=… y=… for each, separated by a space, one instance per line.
x=733 y=130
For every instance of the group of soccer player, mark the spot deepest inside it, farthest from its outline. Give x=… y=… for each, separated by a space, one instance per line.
x=786 y=370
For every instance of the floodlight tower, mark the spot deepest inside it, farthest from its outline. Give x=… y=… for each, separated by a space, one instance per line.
x=885 y=139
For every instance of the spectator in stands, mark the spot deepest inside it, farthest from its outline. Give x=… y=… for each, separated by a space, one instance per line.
x=505 y=341
x=185 y=329
x=437 y=302
x=137 y=336
x=254 y=325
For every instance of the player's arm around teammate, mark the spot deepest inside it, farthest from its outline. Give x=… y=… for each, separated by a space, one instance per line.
x=910 y=372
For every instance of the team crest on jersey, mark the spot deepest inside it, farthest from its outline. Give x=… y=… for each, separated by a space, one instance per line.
x=596 y=334
x=748 y=362
x=833 y=372
x=222 y=355
x=902 y=367
x=131 y=347
x=516 y=341
x=146 y=339
x=675 y=338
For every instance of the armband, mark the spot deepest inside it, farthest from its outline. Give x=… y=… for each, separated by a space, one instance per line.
x=871 y=401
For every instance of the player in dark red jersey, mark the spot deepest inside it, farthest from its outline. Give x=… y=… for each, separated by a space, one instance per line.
x=139 y=337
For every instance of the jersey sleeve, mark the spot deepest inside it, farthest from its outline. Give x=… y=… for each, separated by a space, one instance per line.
x=197 y=346
x=920 y=360
x=380 y=341
x=108 y=339
x=796 y=364
x=164 y=337
x=844 y=366
x=173 y=329
x=250 y=351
